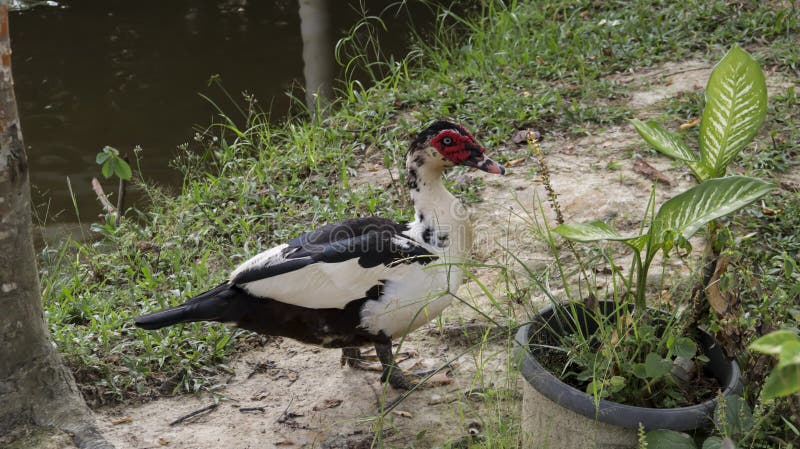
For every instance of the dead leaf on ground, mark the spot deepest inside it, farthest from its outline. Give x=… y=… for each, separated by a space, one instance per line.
x=650 y=172
x=123 y=420
x=261 y=395
x=439 y=379
x=328 y=403
x=416 y=365
x=767 y=211
x=402 y=413
x=720 y=301
x=690 y=124
x=515 y=162
x=163 y=441
x=521 y=136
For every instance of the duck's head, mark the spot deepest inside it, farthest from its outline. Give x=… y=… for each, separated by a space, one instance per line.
x=445 y=144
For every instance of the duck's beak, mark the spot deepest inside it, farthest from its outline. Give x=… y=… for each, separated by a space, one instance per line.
x=479 y=160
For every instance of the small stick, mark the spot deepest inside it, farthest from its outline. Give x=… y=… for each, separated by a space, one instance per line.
x=251 y=409
x=285 y=415
x=123 y=186
x=194 y=413
x=101 y=196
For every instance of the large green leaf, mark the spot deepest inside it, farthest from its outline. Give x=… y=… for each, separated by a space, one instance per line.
x=668 y=439
x=790 y=354
x=671 y=145
x=108 y=168
x=773 y=342
x=596 y=231
x=735 y=416
x=663 y=140
x=122 y=169
x=782 y=381
x=588 y=232
x=684 y=347
x=718 y=443
x=684 y=214
x=736 y=104
x=656 y=366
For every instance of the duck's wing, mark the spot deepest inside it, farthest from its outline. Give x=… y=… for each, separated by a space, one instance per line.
x=333 y=265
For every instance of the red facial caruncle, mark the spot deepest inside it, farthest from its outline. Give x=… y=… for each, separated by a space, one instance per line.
x=454 y=146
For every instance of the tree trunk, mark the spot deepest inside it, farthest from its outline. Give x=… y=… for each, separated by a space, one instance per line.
x=35 y=386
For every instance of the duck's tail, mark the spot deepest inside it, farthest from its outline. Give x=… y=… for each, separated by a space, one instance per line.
x=213 y=305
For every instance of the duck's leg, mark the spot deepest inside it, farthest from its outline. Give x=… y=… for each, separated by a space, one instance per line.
x=352 y=357
x=391 y=371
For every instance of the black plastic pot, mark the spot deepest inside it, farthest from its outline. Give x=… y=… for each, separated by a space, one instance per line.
x=681 y=419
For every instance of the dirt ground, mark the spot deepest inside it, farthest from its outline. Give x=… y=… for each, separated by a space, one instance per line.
x=288 y=395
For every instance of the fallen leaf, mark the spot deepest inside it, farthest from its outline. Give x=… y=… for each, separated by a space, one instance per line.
x=416 y=365
x=261 y=395
x=439 y=379
x=650 y=172
x=123 y=420
x=767 y=211
x=402 y=413
x=720 y=301
x=521 y=136
x=690 y=124
x=515 y=162
x=328 y=403
x=163 y=441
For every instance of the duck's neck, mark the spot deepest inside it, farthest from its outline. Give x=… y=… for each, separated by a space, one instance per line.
x=440 y=220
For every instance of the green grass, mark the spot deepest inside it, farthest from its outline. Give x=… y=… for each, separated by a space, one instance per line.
x=250 y=184
x=765 y=280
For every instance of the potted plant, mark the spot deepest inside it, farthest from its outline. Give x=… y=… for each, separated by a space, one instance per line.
x=733 y=417
x=736 y=105
x=628 y=367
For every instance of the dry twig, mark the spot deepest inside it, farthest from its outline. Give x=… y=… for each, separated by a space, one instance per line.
x=183 y=418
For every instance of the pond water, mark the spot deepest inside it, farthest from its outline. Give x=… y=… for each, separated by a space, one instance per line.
x=91 y=73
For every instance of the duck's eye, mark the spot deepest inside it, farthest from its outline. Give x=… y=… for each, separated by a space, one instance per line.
x=447 y=141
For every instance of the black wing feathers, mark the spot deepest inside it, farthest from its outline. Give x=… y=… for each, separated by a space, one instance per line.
x=373 y=241
x=264 y=272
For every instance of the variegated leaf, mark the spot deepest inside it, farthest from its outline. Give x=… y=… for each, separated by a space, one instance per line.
x=662 y=140
x=595 y=231
x=684 y=214
x=736 y=104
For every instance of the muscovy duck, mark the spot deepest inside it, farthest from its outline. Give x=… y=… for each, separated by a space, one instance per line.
x=359 y=281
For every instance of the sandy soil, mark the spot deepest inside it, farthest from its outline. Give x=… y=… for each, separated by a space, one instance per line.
x=288 y=395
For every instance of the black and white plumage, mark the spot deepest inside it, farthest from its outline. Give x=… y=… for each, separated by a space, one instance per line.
x=360 y=281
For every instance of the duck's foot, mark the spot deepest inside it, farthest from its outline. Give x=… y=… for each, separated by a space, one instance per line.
x=390 y=371
x=397 y=380
x=353 y=358
x=350 y=357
